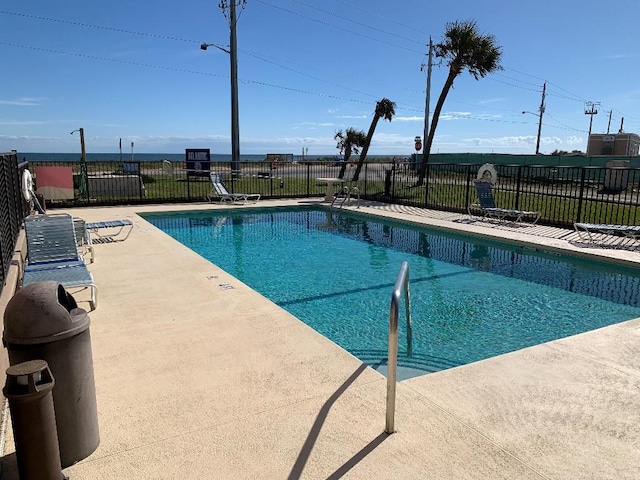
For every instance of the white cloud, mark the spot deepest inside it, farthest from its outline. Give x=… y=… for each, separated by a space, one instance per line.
x=24 y=101
x=454 y=115
x=314 y=124
x=500 y=141
x=573 y=140
x=622 y=55
x=408 y=119
x=20 y=122
x=491 y=100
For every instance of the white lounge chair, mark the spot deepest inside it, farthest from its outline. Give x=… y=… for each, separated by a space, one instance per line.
x=587 y=232
x=219 y=190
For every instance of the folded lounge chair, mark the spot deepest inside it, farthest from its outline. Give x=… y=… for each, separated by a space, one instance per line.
x=83 y=238
x=123 y=226
x=220 y=191
x=52 y=254
x=489 y=209
x=625 y=232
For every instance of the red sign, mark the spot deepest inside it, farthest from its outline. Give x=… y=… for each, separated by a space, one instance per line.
x=418 y=145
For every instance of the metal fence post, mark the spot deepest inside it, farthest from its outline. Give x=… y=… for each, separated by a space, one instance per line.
x=426 y=185
x=581 y=195
x=518 y=183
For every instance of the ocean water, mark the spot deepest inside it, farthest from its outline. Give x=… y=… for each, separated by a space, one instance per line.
x=127 y=157
x=158 y=157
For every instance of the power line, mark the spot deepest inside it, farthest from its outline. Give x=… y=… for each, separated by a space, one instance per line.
x=88 y=25
x=572 y=96
x=270 y=85
x=382 y=17
x=333 y=14
x=166 y=37
x=182 y=70
x=337 y=28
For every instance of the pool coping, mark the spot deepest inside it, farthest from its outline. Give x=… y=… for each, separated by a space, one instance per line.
x=195 y=379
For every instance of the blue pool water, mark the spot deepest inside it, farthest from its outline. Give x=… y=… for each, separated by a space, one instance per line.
x=471 y=299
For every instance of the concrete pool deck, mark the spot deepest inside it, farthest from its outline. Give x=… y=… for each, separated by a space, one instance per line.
x=200 y=377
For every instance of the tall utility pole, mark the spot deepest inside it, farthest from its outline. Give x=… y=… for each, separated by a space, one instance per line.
x=609 y=124
x=591 y=110
x=542 y=107
x=233 y=54
x=426 y=107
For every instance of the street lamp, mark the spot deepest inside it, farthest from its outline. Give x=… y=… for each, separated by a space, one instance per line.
x=204 y=46
x=233 y=55
x=539 y=115
x=82 y=150
x=83 y=164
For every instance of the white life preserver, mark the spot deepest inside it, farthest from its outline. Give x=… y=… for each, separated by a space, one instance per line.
x=487 y=173
x=27 y=185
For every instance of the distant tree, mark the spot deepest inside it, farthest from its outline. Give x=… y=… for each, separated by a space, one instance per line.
x=351 y=141
x=386 y=109
x=574 y=153
x=463 y=48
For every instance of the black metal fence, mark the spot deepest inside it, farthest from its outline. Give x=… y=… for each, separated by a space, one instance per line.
x=13 y=209
x=562 y=194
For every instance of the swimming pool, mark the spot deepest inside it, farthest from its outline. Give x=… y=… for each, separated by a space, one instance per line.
x=471 y=299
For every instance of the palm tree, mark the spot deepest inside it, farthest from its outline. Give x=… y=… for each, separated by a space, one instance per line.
x=351 y=141
x=386 y=109
x=463 y=48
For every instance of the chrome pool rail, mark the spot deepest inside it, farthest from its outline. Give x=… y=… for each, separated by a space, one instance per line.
x=346 y=194
x=402 y=284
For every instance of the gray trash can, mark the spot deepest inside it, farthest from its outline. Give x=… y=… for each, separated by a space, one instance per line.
x=43 y=321
x=29 y=388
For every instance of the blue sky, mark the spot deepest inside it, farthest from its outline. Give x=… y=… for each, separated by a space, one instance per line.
x=306 y=69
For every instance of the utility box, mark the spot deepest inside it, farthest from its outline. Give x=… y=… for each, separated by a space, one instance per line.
x=616 y=177
x=43 y=321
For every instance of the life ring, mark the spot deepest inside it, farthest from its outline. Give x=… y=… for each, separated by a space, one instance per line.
x=487 y=173
x=27 y=185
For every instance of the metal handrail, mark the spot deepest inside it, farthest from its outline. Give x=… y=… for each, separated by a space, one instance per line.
x=347 y=193
x=402 y=284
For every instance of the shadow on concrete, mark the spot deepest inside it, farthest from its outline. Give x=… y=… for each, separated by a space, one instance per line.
x=353 y=461
x=9 y=467
x=307 y=447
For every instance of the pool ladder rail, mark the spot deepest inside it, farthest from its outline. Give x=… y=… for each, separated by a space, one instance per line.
x=346 y=194
x=401 y=285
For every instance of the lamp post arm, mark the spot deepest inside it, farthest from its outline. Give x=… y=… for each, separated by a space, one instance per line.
x=204 y=46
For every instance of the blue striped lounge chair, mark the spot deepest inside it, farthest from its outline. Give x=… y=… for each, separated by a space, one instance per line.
x=113 y=229
x=487 y=206
x=53 y=255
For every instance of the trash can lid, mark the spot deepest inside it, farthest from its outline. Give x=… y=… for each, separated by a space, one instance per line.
x=42 y=312
x=28 y=378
